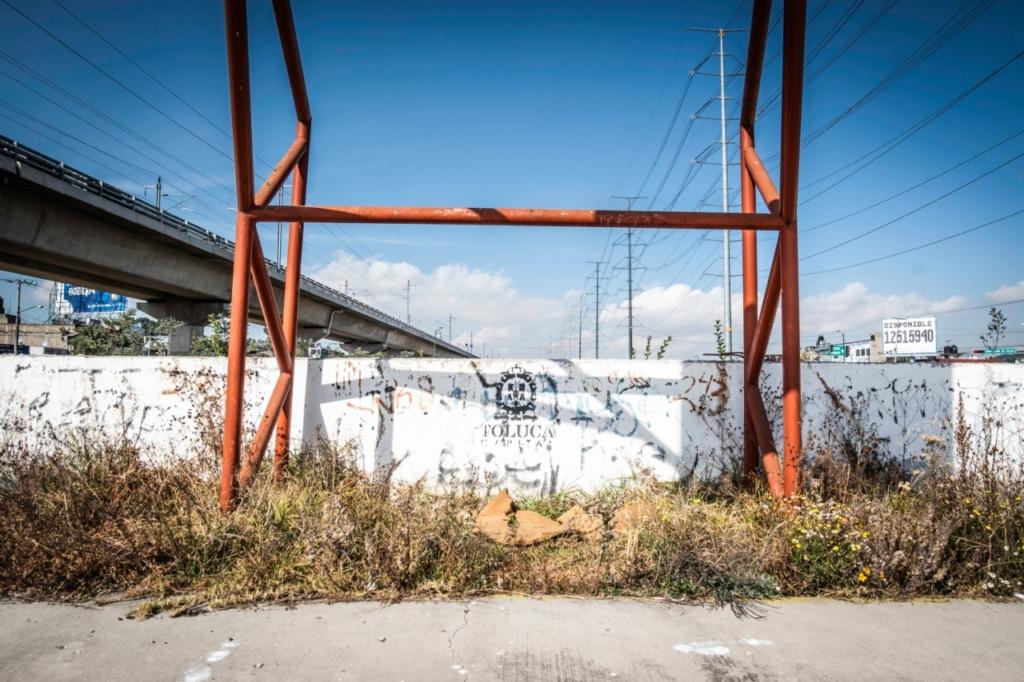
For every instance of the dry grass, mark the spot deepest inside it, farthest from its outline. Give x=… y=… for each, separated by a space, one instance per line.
x=87 y=519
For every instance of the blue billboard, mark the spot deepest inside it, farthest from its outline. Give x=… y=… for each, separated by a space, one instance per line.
x=85 y=300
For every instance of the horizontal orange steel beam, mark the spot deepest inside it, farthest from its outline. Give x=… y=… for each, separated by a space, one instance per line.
x=549 y=217
x=761 y=179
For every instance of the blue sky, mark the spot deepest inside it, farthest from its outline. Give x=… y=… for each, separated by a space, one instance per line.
x=558 y=105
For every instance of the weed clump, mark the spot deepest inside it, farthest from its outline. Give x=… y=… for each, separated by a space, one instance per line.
x=88 y=518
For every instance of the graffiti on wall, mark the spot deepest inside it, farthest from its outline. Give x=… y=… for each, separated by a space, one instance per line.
x=535 y=426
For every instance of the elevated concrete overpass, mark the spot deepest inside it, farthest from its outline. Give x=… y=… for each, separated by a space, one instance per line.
x=59 y=223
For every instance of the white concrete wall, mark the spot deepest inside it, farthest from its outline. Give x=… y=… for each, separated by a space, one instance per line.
x=591 y=422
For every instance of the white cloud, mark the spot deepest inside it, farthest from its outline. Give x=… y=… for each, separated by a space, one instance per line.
x=512 y=323
x=855 y=309
x=1008 y=292
x=485 y=302
x=680 y=311
x=688 y=315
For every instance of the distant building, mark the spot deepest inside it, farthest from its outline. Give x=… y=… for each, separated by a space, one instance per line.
x=36 y=339
x=864 y=350
x=869 y=350
x=4 y=317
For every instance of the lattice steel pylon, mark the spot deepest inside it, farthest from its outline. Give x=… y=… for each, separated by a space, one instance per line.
x=255 y=206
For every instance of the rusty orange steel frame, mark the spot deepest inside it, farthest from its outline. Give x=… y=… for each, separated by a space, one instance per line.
x=254 y=206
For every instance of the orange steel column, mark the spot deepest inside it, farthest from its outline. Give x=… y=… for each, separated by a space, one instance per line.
x=792 y=93
x=234 y=396
x=245 y=226
x=760 y=18
x=749 y=311
x=291 y=306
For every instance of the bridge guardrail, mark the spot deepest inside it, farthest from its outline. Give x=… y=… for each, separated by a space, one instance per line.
x=85 y=182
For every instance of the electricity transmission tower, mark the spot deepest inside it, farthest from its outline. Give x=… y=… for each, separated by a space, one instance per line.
x=630 y=200
x=597 y=304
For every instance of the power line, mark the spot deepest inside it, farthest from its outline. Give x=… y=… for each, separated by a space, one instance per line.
x=823 y=43
x=937 y=311
x=854 y=39
x=832 y=32
x=229 y=192
x=143 y=69
x=943 y=35
x=891 y=144
x=210 y=212
x=661 y=95
x=919 y=246
x=668 y=134
x=916 y=209
x=986 y=150
x=117 y=81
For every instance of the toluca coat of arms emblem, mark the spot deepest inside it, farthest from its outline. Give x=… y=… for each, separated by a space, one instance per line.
x=516 y=395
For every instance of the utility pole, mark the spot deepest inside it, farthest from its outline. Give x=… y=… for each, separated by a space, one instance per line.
x=471 y=341
x=408 y=292
x=280 y=202
x=159 y=190
x=437 y=335
x=727 y=281
x=629 y=268
x=17 y=307
x=450 y=318
x=597 y=307
x=726 y=256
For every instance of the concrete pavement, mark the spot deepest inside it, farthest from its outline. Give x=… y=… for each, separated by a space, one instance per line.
x=519 y=639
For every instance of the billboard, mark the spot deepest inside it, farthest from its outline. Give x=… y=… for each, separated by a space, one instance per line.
x=85 y=300
x=909 y=336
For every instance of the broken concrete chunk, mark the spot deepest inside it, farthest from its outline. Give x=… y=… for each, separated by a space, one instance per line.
x=578 y=520
x=499 y=521
x=500 y=504
x=494 y=519
x=497 y=528
x=532 y=528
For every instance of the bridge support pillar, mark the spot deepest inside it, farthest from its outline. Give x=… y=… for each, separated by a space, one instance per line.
x=192 y=314
x=179 y=341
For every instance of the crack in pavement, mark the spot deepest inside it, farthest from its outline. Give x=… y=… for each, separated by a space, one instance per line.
x=451 y=640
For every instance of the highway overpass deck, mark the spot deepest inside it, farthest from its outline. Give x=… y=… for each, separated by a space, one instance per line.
x=59 y=223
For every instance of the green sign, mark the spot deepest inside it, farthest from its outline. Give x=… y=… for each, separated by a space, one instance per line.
x=839 y=351
x=1001 y=351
